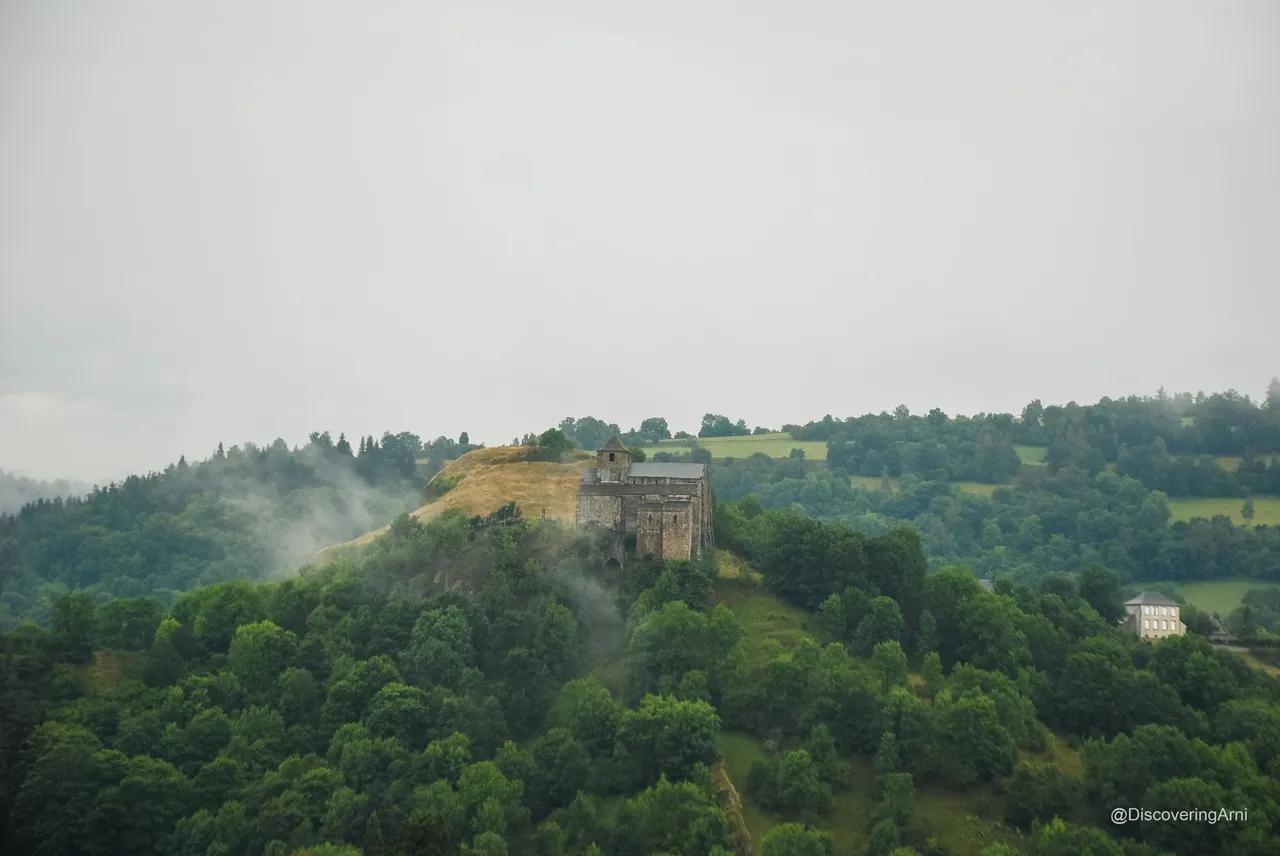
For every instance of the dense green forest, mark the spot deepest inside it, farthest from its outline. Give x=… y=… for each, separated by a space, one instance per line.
x=251 y=511
x=1101 y=496
x=482 y=686
x=1171 y=444
x=1058 y=522
x=473 y=686
x=246 y=512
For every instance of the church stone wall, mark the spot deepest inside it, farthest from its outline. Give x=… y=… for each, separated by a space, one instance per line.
x=649 y=528
x=677 y=533
x=670 y=517
x=600 y=510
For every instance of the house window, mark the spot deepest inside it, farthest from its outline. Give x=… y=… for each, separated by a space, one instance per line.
x=1146 y=624
x=1164 y=625
x=1146 y=610
x=611 y=456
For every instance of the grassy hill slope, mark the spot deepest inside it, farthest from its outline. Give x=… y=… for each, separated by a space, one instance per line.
x=964 y=822
x=487 y=479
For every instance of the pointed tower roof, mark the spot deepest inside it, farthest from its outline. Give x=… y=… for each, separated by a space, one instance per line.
x=614 y=445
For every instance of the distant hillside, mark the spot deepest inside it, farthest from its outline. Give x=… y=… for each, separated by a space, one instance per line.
x=16 y=491
x=487 y=479
x=246 y=512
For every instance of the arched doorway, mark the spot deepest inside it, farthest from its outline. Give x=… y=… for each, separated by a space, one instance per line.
x=612 y=565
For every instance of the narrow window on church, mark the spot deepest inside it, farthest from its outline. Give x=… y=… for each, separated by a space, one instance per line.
x=611 y=456
x=673 y=518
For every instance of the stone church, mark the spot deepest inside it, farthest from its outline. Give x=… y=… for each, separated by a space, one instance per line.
x=666 y=507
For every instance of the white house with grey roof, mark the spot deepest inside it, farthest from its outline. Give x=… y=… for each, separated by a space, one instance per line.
x=1152 y=616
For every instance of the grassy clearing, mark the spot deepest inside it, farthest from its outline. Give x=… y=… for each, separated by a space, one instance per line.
x=1058 y=753
x=873 y=483
x=967 y=823
x=964 y=823
x=1231 y=463
x=1033 y=455
x=763 y=616
x=1220 y=596
x=977 y=488
x=1258 y=664
x=739 y=752
x=776 y=445
x=731 y=567
x=849 y=819
x=108 y=669
x=1266 y=509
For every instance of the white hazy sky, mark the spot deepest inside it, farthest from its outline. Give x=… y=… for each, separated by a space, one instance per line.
x=230 y=221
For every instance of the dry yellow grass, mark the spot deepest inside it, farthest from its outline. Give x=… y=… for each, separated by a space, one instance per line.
x=731 y=567
x=490 y=478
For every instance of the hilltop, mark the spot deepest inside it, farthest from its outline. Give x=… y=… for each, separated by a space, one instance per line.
x=482 y=481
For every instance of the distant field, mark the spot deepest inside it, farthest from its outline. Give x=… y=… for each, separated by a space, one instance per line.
x=1031 y=454
x=1266 y=509
x=1231 y=463
x=778 y=445
x=873 y=483
x=1220 y=596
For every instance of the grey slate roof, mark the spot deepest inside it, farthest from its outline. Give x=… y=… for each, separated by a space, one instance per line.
x=614 y=445
x=1151 y=598
x=657 y=470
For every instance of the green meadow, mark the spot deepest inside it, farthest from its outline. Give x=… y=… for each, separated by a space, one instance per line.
x=1031 y=454
x=1266 y=509
x=873 y=483
x=1231 y=463
x=1220 y=596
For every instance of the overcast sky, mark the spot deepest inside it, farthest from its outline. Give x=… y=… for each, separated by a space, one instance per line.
x=231 y=221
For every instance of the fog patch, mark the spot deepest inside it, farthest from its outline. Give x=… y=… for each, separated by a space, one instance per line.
x=17 y=490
